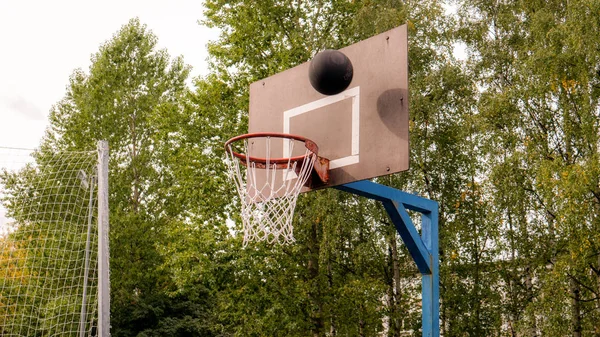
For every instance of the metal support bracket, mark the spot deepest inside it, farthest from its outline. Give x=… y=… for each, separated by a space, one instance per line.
x=423 y=248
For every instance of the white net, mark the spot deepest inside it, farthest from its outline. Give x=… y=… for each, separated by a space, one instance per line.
x=269 y=190
x=48 y=243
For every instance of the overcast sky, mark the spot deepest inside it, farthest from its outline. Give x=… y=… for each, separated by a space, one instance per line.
x=43 y=41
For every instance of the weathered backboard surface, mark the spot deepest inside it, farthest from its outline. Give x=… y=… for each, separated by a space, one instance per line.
x=363 y=131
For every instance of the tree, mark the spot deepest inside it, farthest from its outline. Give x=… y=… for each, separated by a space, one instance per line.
x=136 y=98
x=539 y=105
x=43 y=252
x=344 y=263
x=507 y=143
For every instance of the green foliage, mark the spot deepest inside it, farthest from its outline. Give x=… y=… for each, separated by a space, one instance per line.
x=507 y=142
x=135 y=97
x=160 y=314
x=341 y=276
x=539 y=108
x=42 y=255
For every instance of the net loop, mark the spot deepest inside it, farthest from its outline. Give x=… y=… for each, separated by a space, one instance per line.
x=269 y=187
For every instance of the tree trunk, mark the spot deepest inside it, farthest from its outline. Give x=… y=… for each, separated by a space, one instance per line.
x=597 y=325
x=135 y=173
x=394 y=286
x=332 y=322
x=361 y=325
x=313 y=274
x=575 y=308
x=529 y=287
x=597 y=271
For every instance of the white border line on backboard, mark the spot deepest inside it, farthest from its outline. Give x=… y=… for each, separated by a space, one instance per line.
x=353 y=93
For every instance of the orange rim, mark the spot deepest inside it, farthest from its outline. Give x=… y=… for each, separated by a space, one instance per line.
x=310 y=145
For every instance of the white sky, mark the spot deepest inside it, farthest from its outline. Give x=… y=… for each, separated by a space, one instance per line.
x=43 y=41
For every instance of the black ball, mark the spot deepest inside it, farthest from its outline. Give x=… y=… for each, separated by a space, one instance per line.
x=330 y=72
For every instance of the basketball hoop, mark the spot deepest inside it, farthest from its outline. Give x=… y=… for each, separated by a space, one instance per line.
x=269 y=187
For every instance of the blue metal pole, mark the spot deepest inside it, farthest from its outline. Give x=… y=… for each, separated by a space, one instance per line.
x=430 y=282
x=423 y=248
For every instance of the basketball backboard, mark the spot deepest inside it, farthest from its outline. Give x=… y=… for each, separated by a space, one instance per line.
x=363 y=130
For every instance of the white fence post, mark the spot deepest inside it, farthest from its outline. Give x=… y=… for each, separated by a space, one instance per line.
x=103 y=252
